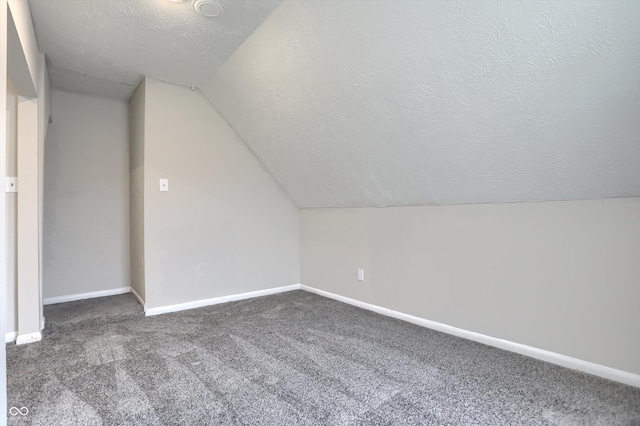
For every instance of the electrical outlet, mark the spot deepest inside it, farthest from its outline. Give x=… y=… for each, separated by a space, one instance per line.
x=360 y=274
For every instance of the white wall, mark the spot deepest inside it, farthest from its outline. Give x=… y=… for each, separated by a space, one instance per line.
x=28 y=71
x=3 y=217
x=136 y=188
x=21 y=16
x=44 y=114
x=86 y=196
x=28 y=246
x=11 y=210
x=560 y=276
x=225 y=226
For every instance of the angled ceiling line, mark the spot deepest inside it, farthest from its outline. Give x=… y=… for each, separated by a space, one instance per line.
x=248 y=147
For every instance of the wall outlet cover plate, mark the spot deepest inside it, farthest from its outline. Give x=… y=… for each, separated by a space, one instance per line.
x=11 y=184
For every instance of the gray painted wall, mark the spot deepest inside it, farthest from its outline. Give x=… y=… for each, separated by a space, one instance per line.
x=560 y=276
x=225 y=226
x=86 y=196
x=136 y=188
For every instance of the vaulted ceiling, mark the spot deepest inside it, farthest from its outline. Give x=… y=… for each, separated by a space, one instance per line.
x=379 y=103
x=390 y=102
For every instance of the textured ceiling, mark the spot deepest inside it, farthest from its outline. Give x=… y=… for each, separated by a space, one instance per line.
x=379 y=103
x=104 y=47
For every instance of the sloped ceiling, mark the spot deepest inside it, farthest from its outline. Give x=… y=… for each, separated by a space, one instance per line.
x=104 y=47
x=387 y=103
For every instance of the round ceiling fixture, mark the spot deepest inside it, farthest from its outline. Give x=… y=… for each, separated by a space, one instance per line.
x=208 y=8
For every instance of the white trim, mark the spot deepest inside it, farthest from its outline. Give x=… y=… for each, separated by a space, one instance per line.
x=218 y=300
x=530 y=351
x=81 y=296
x=42 y=322
x=28 y=338
x=10 y=337
x=138 y=298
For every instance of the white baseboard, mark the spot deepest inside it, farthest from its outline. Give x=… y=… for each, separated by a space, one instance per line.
x=530 y=351
x=218 y=300
x=138 y=298
x=81 y=296
x=28 y=338
x=10 y=337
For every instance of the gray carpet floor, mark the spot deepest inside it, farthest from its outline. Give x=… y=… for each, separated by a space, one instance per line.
x=71 y=316
x=295 y=358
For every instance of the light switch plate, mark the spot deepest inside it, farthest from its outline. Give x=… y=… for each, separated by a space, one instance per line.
x=164 y=185
x=360 y=274
x=11 y=184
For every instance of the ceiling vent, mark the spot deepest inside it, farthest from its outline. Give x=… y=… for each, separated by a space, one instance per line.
x=208 y=8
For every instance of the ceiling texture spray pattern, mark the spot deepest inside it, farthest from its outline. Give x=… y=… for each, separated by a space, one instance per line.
x=387 y=103
x=104 y=47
